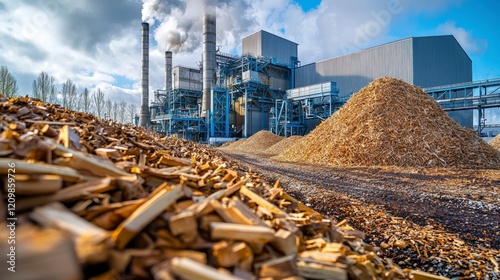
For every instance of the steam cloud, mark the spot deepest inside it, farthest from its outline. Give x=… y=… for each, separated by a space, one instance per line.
x=180 y=21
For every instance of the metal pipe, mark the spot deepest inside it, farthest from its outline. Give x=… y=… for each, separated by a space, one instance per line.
x=245 y=121
x=168 y=70
x=209 y=62
x=144 y=117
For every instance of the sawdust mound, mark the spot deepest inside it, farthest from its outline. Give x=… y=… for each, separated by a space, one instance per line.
x=232 y=145
x=390 y=122
x=495 y=142
x=258 y=142
x=281 y=145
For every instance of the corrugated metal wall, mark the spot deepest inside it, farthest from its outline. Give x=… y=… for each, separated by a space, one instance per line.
x=423 y=61
x=263 y=43
x=353 y=71
x=252 y=44
x=186 y=78
x=440 y=60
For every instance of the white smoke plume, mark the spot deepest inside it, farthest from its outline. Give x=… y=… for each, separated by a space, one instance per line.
x=180 y=22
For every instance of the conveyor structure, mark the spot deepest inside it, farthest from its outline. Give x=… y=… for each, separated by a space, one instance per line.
x=477 y=95
x=289 y=115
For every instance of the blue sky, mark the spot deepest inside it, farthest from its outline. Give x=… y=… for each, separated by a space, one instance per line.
x=97 y=43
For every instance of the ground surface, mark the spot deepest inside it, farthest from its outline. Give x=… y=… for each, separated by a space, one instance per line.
x=445 y=216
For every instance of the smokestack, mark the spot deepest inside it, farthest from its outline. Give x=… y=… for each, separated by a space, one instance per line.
x=144 y=117
x=208 y=56
x=168 y=70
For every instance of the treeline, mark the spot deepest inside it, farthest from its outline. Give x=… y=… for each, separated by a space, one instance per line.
x=45 y=89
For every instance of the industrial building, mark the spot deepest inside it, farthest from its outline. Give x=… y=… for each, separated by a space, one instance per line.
x=266 y=88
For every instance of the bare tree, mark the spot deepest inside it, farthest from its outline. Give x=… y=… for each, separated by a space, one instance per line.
x=122 y=110
x=85 y=101
x=98 y=102
x=115 y=111
x=109 y=109
x=52 y=94
x=44 y=88
x=8 y=84
x=68 y=94
x=131 y=111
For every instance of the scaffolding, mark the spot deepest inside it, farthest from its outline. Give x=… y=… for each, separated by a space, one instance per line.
x=177 y=112
x=314 y=102
x=245 y=87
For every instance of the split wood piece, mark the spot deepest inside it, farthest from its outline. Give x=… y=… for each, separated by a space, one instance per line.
x=236 y=254
x=184 y=225
x=119 y=260
x=224 y=255
x=23 y=111
x=244 y=214
x=91 y=164
x=89 y=239
x=278 y=268
x=111 y=219
x=206 y=220
x=36 y=184
x=58 y=216
x=162 y=271
x=333 y=248
x=205 y=207
x=230 y=175
x=319 y=271
x=300 y=205
x=174 y=161
x=23 y=167
x=420 y=275
x=286 y=242
x=159 y=173
x=197 y=256
x=48 y=131
x=67 y=194
x=326 y=257
x=164 y=239
x=68 y=138
x=89 y=252
x=252 y=234
x=108 y=153
x=191 y=270
x=223 y=213
x=262 y=202
x=44 y=254
x=243 y=254
x=145 y=214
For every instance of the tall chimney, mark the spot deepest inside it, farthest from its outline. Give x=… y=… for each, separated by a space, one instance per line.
x=144 y=117
x=208 y=56
x=168 y=70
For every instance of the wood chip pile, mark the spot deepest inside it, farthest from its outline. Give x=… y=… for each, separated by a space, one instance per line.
x=495 y=142
x=98 y=200
x=235 y=144
x=281 y=145
x=256 y=143
x=390 y=122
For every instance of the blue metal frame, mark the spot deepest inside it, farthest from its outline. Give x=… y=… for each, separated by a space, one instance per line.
x=478 y=95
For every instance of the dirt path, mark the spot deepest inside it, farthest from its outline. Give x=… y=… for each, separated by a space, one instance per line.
x=447 y=202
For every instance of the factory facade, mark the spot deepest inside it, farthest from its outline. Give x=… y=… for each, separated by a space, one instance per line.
x=267 y=88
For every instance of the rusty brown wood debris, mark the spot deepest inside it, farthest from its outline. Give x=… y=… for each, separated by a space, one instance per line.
x=392 y=123
x=109 y=201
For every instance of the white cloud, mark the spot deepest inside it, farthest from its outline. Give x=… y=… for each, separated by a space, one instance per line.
x=464 y=37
